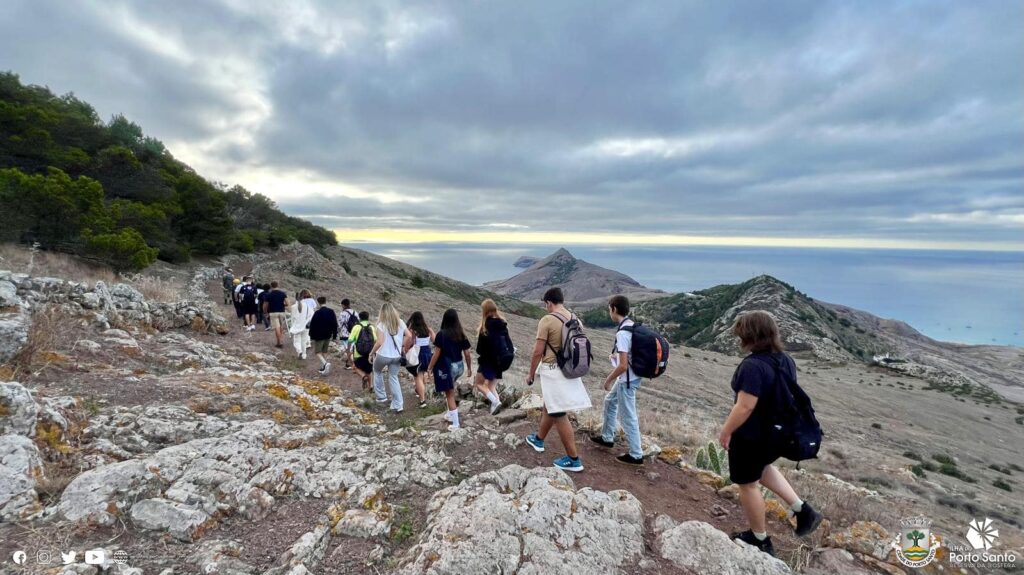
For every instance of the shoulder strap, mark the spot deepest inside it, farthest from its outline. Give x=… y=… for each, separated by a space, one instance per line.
x=779 y=375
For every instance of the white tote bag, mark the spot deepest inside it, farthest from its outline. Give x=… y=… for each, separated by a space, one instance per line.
x=561 y=394
x=412 y=357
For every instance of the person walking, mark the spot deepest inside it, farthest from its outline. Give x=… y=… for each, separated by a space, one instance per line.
x=423 y=337
x=236 y=302
x=746 y=433
x=228 y=282
x=451 y=348
x=301 y=313
x=323 y=329
x=247 y=297
x=261 y=299
x=393 y=340
x=362 y=340
x=561 y=394
x=488 y=371
x=347 y=319
x=276 y=306
x=621 y=384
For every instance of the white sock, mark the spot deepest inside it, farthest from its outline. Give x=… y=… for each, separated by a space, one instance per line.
x=454 y=414
x=797 y=505
x=760 y=536
x=493 y=398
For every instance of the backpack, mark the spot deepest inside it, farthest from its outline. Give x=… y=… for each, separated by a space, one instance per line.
x=365 y=340
x=648 y=352
x=248 y=294
x=504 y=350
x=228 y=281
x=352 y=321
x=794 y=429
x=574 y=357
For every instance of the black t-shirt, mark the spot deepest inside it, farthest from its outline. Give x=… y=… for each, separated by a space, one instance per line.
x=451 y=350
x=275 y=301
x=757 y=377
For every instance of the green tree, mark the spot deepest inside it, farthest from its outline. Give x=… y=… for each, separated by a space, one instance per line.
x=123 y=250
x=915 y=536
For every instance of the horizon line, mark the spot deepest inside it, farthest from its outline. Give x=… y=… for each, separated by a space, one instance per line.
x=426 y=236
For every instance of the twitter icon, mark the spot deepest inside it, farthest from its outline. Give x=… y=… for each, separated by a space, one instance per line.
x=68 y=557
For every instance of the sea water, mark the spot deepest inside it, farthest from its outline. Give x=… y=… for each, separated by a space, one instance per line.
x=963 y=296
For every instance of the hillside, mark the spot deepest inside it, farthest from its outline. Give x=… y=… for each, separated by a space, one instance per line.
x=161 y=430
x=582 y=282
x=106 y=191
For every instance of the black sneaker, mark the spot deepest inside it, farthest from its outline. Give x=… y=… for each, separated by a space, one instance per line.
x=600 y=441
x=807 y=520
x=749 y=538
x=629 y=459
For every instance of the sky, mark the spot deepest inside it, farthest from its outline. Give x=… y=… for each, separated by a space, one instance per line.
x=818 y=123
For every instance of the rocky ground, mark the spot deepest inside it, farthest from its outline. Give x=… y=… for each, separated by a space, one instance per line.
x=164 y=431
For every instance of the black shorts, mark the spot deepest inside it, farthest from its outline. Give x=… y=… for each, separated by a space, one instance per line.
x=748 y=458
x=363 y=364
x=250 y=309
x=489 y=372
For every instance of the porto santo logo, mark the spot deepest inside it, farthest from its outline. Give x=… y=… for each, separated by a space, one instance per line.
x=981 y=534
x=916 y=544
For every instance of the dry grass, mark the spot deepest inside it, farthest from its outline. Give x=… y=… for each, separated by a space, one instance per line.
x=21 y=259
x=44 y=335
x=156 y=289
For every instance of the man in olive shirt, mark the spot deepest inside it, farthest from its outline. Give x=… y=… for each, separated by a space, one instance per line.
x=545 y=350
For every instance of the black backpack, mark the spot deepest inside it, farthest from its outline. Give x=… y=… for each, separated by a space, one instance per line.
x=648 y=351
x=248 y=294
x=504 y=350
x=365 y=340
x=352 y=321
x=794 y=429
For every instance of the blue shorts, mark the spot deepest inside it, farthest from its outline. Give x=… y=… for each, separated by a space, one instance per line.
x=489 y=372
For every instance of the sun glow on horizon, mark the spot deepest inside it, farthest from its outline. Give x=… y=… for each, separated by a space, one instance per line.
x=425 y=236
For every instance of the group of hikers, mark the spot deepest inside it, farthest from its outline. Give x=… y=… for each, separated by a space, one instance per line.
x=771 y=417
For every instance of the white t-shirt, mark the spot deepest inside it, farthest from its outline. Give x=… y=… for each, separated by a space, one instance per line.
x=624 y=342
x=391 y=343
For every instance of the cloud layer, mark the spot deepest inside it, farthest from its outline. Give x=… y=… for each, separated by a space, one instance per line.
x=900 y=120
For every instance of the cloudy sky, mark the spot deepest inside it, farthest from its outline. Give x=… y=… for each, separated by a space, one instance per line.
x=812 y=123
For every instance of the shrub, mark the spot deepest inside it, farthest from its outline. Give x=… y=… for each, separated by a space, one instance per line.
x=418 y=282
x=918 y=470
x=123 y=250
x=1001 y=484
x=944 y=459
x=912 y=455
x=714 y=459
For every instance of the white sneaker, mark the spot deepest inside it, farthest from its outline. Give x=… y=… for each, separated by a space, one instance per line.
x=453 y=427
x=326 y=368
x=447 y=416
x=302 y=355
x=495 y=408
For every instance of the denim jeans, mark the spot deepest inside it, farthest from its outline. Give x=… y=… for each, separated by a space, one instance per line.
x=621 y=401
x=392 y=364
x=458 y=369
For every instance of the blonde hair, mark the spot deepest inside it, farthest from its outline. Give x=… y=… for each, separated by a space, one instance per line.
x=389 y=317
x=488 y=309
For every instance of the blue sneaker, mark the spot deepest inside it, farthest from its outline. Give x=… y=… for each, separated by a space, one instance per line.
x=567 y=463
x=535 y=442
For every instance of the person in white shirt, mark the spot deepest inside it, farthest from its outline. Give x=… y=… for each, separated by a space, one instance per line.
x=300 y=313
x=393 y=340
x=622 y=384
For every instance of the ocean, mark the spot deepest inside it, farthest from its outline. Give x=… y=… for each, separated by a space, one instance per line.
x=961 y=296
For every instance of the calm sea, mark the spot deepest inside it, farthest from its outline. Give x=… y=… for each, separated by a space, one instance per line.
x=970 y=297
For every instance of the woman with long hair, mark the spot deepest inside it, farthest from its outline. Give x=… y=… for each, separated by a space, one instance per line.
x=423 y=336
x=393 y=340
x=746 y=432
x=488 y=372
x=299 y=315
x=449 y=361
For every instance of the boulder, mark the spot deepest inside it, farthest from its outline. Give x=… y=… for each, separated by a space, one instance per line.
x=704 y=550
x=180 y=520
x=20 y=464
x=8 y=295
x=529 y=401
x=527 y=521
x=18 y=411
x=13 y=334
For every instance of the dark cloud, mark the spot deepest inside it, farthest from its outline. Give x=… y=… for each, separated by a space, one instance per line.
x=845 y=119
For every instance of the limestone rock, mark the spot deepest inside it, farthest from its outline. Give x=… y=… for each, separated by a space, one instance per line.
x=9 y=295
x=529 y=401
x=13 y=334
x=180 y=520
x=704 y=550
x=831 y=560
x=18 y=411
x=527 y=521
x=20 y=464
